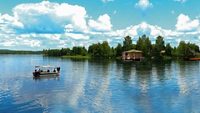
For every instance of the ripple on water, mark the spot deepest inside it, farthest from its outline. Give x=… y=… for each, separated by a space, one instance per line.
x=93 y=86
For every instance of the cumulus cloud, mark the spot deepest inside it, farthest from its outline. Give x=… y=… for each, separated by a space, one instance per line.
x=144 y=28
x=184 y=23
x=45 y=25
x=101 y=24
x=47 y=17
x=144 y=4
x=170 y=36
x=9 y=23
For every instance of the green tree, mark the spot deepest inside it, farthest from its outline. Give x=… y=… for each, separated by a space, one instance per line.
x=184 y=50
x=168 y=50
x=77 y=50
x=144 y=44
x=65 y=51
x=119 y=50
x=193 y=47
x=159 y=46
x=106 y=50
x=127 y=43
x=101 y=50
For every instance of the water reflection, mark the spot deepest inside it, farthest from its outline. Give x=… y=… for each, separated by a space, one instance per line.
x=100 y=86
x=127 y=71
x=48 y=77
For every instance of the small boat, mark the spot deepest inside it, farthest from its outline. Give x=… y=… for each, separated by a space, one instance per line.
x=46 y=71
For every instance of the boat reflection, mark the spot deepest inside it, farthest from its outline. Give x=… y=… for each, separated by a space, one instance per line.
x=46 y=77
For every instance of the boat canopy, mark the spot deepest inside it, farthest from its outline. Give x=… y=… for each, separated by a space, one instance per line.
x=47 y=66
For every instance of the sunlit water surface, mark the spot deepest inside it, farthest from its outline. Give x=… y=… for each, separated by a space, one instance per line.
x=89 y=86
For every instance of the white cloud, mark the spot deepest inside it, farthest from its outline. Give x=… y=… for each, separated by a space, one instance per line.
x=51 y=25
x=77 y=36
x=184 y=23
x=172 y=36
x=144 y=4
x=9 y=23
x=13 y=40
x=48 y=25
x=47 y=17
x=101 y=24
x=144 y=28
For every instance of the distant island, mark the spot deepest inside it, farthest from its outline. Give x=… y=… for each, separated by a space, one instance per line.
x=159 y=50
x=6 y=51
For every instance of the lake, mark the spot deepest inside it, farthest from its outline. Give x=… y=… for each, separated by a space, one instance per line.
x=92 y=86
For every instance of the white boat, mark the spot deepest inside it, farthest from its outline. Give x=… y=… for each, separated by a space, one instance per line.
x=46 y=71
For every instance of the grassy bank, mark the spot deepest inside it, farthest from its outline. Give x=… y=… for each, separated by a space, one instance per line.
x=77 y=57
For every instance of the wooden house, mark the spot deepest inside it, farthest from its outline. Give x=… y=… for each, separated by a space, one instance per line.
x=133 y=54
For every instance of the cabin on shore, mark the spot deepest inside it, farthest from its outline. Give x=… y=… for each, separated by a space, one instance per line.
x=132 y=55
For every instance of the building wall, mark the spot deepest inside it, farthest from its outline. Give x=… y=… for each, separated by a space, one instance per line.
x=131 y=56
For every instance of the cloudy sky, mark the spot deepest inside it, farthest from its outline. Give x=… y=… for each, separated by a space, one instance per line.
x=37 y=24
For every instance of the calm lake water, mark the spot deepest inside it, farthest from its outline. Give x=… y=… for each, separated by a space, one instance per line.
x=88 y=86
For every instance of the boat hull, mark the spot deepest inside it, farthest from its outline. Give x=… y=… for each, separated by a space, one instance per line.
x=38 y=74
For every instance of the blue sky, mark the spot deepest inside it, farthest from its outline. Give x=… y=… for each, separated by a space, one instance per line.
x=37 y=24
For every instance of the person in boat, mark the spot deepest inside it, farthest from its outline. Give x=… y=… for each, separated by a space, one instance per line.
x=54 y=70
x=48 y=70
x=58 y=69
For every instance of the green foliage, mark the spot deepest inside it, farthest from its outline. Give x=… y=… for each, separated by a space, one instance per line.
x=127 y=43
x=168 y=50
x=101 y=50
x=65 y=51
x=193 y=47
x=5 y=51
x=158 y=47
x=144 y=44
x=77 y=50
x=52 y=52
x=187 y=50
x=119 y=50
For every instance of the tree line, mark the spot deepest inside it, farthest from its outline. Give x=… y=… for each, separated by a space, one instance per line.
x=157 y=50
x=5 y=51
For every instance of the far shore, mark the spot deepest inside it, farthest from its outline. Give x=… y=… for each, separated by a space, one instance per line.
x=77 y=57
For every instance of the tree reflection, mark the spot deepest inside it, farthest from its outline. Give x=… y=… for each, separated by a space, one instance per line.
x=127 y=69
x=101 y=66
x=160 y=70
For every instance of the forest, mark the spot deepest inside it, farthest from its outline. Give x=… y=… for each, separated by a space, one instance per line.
x=158 y=50
x=6 y=51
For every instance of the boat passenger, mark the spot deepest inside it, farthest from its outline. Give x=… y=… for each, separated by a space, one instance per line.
x=58 y=69
x=48 y=70
x=54 y=70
